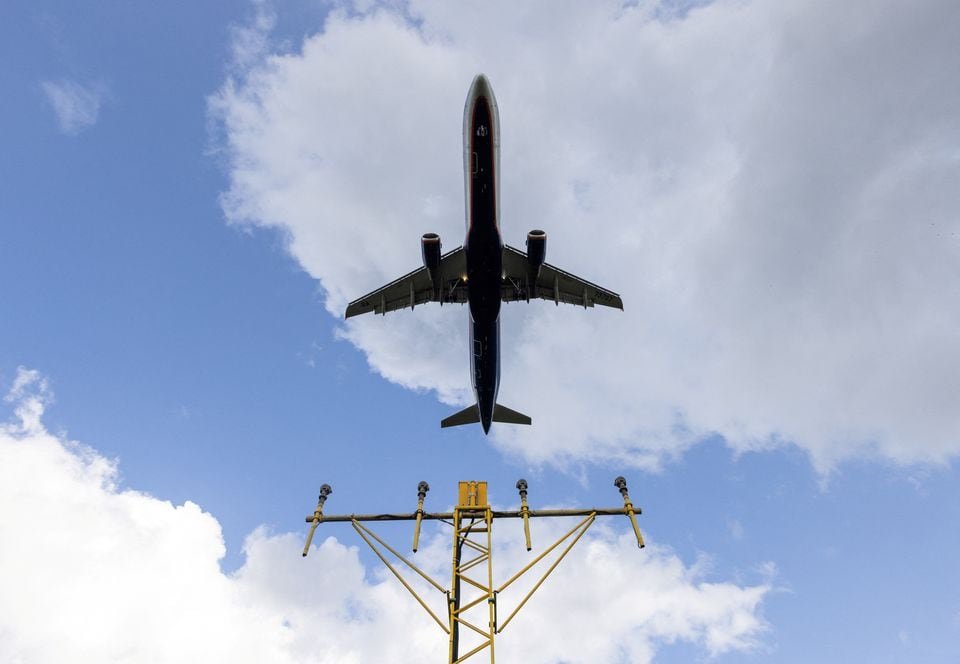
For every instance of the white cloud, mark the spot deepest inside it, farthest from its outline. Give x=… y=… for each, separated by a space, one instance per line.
x=94 y=572
x=76 y=105
x=249 y=43
x=770 y=186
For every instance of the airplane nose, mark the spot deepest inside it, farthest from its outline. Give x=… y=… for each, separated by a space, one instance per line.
x=480 y=87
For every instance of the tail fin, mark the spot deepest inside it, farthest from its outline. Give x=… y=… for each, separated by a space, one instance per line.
x=471 y=415
x=507 y=416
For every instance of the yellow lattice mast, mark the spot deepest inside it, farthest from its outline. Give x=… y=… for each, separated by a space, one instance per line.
x=472 y=617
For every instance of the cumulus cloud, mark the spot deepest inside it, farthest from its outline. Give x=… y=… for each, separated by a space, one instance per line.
x=770 y=186
x=76 y=105
x=95 y=572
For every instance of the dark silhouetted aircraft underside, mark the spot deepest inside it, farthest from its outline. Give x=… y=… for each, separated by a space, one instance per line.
x=483 y=272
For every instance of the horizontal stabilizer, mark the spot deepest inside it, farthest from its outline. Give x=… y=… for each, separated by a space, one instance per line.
x=507 y=416
x=469 y=415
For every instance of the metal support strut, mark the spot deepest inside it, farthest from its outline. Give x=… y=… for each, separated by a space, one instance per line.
x=422 y=489
x=621 y=484
x=471 y=582
x=325 y=491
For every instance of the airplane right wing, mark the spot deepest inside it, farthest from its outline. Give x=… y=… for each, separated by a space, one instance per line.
x=417 y=288
x=551 y=283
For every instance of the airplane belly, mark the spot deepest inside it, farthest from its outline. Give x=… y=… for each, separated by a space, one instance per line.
x=484 y=269
x=483 y=244
x=485 y=367
x=481 y=155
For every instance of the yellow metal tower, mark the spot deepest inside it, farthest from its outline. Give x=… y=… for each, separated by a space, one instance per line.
x=472 y=596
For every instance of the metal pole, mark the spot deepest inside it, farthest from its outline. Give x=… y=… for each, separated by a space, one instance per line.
x=491 y=596
x=621 y=484
x=325 y=491
x=524 y=510
x=422 y=489
x=448 y=516
x=453 y=601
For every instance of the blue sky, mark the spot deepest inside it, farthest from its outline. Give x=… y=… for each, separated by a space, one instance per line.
x=191 y=195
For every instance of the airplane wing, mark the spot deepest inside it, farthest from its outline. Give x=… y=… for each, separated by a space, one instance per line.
x=417 y=288
x=551 y=284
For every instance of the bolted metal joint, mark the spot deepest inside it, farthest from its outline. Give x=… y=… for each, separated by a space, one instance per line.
x=621 y=483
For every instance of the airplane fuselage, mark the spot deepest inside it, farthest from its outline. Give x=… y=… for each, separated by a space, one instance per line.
x=483 y=244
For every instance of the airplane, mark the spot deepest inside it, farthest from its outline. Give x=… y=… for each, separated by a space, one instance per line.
x=483 y=272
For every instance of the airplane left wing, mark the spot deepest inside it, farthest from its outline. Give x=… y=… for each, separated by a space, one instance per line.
x=551 y=283
x=417 y=288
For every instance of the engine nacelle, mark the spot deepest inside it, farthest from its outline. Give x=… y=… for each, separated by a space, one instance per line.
x=430 y=247
x=430 y=244
x=536 y=250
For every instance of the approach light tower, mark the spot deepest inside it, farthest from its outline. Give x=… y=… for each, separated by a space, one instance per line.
x=472 y=597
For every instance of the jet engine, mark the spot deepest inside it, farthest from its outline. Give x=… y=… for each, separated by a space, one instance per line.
x=430 y=246
x=536 y=249
x=536 y=253
x=430 y=243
